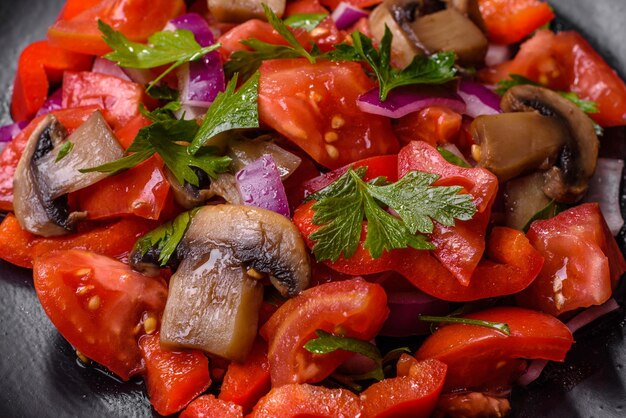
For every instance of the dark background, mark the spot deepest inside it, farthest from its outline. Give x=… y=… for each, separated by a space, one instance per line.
x=39 y=373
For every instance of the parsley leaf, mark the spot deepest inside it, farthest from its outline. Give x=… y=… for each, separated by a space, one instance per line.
x=327 y=343
x=280 y=27
x=306 y=21
x=436 y=69
x=166 y=237
x=229 y=110
x=64 y=150
x=586 y=106
x=451 y=157
x=166 y=47
x=514 y=80
x=163 y=93
x=341 y=207
x=498 y=326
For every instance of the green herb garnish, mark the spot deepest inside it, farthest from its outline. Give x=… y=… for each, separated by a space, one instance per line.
x=306 y=21
x=452 y=157
x=64 y=150
x=498 y=326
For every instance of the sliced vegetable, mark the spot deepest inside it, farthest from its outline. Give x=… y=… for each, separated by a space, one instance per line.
x=108 y=67
x=260 y=185
x=207 y=406
x=346 y=15
x=604 y=188
x=53 y=102
x=242 y=11
x=478 y=99
x=510 y=21
x=434 y=125
x=8 y=132
x=245 y=152
x=405 y=306
x=400 y=103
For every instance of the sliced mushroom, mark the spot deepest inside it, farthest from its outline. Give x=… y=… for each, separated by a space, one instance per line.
x=215 y=294
x=510 y=144
x=403 y=49
x=471 y=9
x=237 y=11
x=187 y=195
x=523 y=198
x=42 y=180
x=568 y=180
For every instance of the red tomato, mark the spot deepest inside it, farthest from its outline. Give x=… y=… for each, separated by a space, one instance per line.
x=565 y=61
x=245 y=383
x=352 y=308
x=314 y=106
x=510 y=21
x=414 y=395
x=119 y=97
x=73 y=8
x=141 y=191
x=207 y=406
x=475 y=354
x=582 y=261
x=10 y=156
x=137 y=19
x=127 y=133
x=435 y=125
x=39 y=65
x=461 y=247
x=307 y=401
x=98 y=305
x=304 y=7
x=173 y=378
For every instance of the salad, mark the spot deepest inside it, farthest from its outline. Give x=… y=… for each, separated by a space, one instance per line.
x=253 y=206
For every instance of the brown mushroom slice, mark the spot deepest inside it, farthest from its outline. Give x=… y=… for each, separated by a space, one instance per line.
x=187 y=195
x=567 y=181
x=403 y=49
x=237 y=11
x=213 y=302
x=510 y=144
x=523 y=198
x=243 y=152
x=449 y=30
x=470 y=9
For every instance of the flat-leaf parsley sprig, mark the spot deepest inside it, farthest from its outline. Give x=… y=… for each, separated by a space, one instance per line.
x=341 y=207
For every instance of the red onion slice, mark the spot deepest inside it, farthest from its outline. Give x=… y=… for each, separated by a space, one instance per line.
x=405 y=306
x=346 y=15
x=533 y=372
x=497 y=54
x=401 y=102
x=105 y=66
x=259 y=185
x=604 y=189
x=8 y=132
x=54 y=102
x=479 y=99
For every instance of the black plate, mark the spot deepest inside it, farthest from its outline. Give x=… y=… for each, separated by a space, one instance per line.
x=39 y=373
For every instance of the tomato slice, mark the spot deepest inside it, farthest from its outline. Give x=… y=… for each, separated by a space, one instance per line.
x=314 y=106
x=307 y=401
x=475 y=355
x=565 y=61
x=207 y=406
x=434 y=125
x=582 y=261
x=137 y=19
x=245 y=383
x=121 y=98
x=73 y=8
x=173 y=378
x=126 y=134
x=351 y=308
x=414 y=395
x=141 y=191
x=41 y=64
x=510 y=21
x=99 y=304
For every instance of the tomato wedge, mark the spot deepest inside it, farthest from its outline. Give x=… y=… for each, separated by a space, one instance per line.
x=99 y=304
x=475 y=354
x=207 y=406
x=583 y=262
x=137 y=19
x=434 y=125
x=173 y=378
x=352 y=308
x=314 y=106
x=510 y=21
x=300 y=401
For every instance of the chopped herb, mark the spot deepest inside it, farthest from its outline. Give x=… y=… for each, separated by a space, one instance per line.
x=342 y=206
x=586 y=106
x=64 y=150
x=451 y=157
x=327 y=343
x=306 y=21
x=166 y=47
x=513 y=80
x=166 y=237
x=163 y=92
x=230 y=110
x=435 y=69
x=498 y=326
x=162 y=113
x=280 y=27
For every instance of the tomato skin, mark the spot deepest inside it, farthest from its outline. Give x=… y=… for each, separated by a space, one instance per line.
x=510 y=21
x=353 y=308
x=173 y=378
x=126 y=134
x=301 y=100
x=566 y=61
x=475 y=353
x=207 y=406
x=96 y=303
x=141 y=191
x=137 y=19
x=307 y=401
x=583 y=262
x=121 y=98
x=73 y=8
x=245 y=383
x=41 y=64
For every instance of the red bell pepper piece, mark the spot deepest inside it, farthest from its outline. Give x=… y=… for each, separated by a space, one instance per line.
x=245 y=383
x=73 y=8
x=510 y=21
x=39 y=66
x=173 y=378
x=435 y=125
x=207 y=406
x=127 y=133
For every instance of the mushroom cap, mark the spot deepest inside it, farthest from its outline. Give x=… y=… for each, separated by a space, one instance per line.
x=568 y=180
